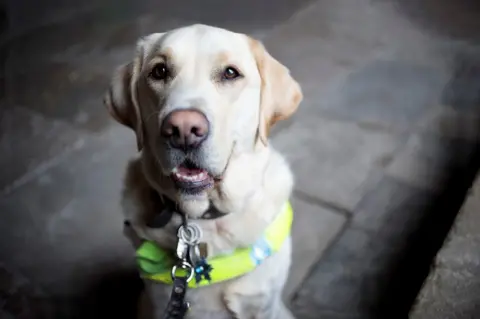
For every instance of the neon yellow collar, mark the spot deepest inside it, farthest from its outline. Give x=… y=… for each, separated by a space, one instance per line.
x=156 y=264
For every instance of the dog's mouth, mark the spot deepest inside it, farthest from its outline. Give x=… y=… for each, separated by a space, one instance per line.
x=190 y=177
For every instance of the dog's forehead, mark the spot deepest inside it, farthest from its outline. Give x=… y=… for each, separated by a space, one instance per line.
x=197 y=40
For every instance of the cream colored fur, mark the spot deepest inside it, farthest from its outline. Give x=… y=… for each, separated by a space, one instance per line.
x=255 y=179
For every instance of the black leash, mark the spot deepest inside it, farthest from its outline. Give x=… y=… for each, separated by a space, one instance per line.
x=190 y=261
x=188 y=253
x=177 y=306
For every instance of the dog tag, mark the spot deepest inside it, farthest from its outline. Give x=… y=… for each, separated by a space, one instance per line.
x=194 y=254
x=203 y=250
x=182 y=249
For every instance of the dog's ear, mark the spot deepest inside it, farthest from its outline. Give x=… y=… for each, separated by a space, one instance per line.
x=121 y=99
x=121 y=102
x=280 y=94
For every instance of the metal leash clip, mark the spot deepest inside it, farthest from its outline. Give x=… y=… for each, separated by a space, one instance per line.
x=188 y=237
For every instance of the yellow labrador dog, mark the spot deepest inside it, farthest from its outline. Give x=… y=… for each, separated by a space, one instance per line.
x=201 y=101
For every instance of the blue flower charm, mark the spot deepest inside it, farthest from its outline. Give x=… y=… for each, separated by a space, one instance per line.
x=202 y=270
x=260 y=251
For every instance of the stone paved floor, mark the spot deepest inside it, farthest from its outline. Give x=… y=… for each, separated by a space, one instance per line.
x=391 y=103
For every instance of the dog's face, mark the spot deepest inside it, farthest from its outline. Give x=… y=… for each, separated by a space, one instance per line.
x=196 y=97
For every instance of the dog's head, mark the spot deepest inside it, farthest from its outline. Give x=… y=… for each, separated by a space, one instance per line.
x=198 y=95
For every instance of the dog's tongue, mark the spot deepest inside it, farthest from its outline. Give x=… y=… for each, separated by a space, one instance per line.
x=182 y=170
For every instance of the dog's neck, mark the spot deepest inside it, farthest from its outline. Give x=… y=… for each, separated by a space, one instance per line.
x=170 y=208
x=250 y=204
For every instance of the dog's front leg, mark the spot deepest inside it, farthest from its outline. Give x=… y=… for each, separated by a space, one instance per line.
x=267 y=305
x=258 y=295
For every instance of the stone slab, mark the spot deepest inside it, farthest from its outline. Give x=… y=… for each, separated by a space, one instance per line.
x=453 y=287
x=68 y=93
x=325 y=314
x=462 y=92
x=460 y=252
x=468 y=222
x=314 y=228
x=362 y=62
x=449 y=293
x=29 y=142
x=37 y=15
x=415 y=221
x=347 y=280
x=359 y=274
x=448 y=122
x=392 y=210
x=427 y=159
x=335 y=161
x=64 y=228
x=394 y=93
x=430 y=17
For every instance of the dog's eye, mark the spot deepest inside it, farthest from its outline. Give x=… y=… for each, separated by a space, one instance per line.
x=230 y=73
x=159 y=72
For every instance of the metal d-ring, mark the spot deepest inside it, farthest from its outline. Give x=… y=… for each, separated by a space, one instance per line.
x=190 y=233
x=183 y=265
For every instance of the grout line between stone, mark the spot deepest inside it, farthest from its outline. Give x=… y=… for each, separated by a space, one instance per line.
x=72 y=126
x=41 y=168
x=325 y=313
x=321 y=202
x=333 y=241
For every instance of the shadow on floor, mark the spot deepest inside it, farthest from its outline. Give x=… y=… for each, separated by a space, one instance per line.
x=457 y=19
x=112 y=295
x=412 y=265
x=115 y=295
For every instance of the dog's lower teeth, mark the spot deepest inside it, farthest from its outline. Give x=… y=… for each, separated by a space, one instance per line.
x=189 y=175
x=197 y=177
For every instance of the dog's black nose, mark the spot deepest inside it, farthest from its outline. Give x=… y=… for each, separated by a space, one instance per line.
x=185 y=129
